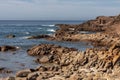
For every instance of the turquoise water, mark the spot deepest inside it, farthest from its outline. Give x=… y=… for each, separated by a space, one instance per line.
x=22 y=29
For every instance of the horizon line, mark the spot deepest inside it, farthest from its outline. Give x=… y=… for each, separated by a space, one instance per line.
x=43 y=20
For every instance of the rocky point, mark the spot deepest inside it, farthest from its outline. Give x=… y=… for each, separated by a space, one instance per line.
x=102 y=62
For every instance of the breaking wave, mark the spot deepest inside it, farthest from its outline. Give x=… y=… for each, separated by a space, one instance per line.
x=52 y=25
x=51 y=30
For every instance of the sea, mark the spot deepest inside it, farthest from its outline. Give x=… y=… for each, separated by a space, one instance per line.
x=22 y=29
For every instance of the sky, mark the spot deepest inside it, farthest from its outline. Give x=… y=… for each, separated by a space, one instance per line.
x=57 y=9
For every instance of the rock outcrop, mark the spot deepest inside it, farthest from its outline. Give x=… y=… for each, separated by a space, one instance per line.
x=61 y=63
x=102 y=24
x=69 y=64
x=48 y=53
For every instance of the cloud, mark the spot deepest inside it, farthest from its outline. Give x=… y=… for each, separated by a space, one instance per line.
x=57 y=9
x=63 y=2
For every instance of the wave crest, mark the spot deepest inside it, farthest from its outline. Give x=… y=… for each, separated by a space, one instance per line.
x=52 y=25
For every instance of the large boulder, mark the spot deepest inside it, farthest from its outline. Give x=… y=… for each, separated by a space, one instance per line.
x=46 y=49
x=48 y=52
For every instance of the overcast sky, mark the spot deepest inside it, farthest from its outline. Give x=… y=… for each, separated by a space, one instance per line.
x=57 y=9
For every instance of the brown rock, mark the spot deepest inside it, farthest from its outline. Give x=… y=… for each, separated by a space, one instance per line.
x=10 y=78
x=23 y=73
x=41 y=68
x=115 y=59
x=57 y=77
x=74 y=77
x=8 y=48
x=19 y=78
x=44 y=59
x=39 y=77
x=32 y=76
x=10 y=36
x=5 y=70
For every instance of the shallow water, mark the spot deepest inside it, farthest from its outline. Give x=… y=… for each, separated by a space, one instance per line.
x=22 y=29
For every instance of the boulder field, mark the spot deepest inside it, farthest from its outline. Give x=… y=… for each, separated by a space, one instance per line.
x=102 y=62
x=62 y=63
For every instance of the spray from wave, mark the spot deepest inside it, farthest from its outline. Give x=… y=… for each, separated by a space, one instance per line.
x=24 y=37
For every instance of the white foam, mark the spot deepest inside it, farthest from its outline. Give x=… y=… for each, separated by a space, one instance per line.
x=52 y=25
x=27 y=32
x=49 y=34
x=25 y=37
x=51 y=30
x=39 y=28
x=83 y=32
x=17 y=47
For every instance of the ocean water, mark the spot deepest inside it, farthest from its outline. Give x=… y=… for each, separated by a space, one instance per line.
x=22 y=29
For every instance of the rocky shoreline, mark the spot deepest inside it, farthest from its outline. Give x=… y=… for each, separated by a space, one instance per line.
x=61 y=63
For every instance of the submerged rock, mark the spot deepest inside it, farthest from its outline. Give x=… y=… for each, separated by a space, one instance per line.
x=38 y=37
x=10 y=36
x=5 y=70
x=8 y=48
x=23 y=73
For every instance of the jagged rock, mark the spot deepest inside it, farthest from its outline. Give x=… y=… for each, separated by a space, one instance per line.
x=116 y=59
x=46 y=49
x=41 y=68
x=74 y=77
x=49 y=53
x=23 y=73
x=61 y=63
x=32 y=76
x=8 y=48
x=44 y=59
